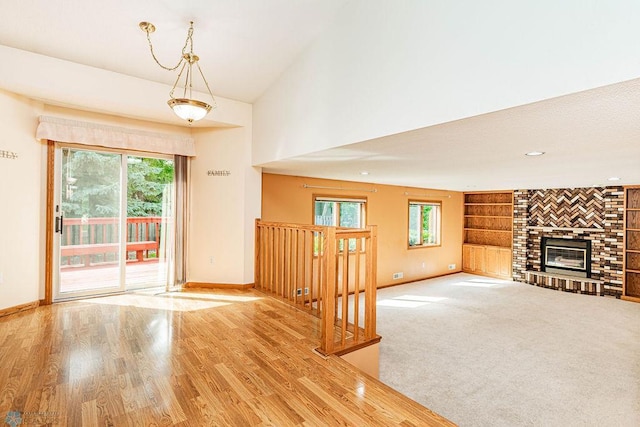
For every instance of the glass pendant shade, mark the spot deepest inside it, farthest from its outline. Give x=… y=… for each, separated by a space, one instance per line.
x=186 y=108
x=190 y=110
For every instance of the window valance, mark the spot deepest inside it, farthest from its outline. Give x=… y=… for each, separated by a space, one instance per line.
x=63 y=130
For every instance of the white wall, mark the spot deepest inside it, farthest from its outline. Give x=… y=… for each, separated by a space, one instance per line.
x=391 y=66
x=72 y=85
x=23 y=197
x=224 y=208
x=20 y=197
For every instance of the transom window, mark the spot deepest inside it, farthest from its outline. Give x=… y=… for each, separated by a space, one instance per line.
x=424 y=223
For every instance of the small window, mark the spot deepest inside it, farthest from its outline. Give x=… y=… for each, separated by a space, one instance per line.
x=339 y=212
x=424 y=224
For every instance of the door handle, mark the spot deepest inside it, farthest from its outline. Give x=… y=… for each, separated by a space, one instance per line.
x=59 y=223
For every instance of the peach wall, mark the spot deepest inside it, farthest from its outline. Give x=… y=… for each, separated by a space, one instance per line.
x=285 y=199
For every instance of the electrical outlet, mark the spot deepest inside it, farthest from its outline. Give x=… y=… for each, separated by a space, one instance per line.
x=299 y=291
x=1 y=278
x=211 y=260
x=452 y=266
x=397 y=276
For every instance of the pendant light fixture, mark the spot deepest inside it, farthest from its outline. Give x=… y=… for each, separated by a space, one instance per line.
x=184 y=106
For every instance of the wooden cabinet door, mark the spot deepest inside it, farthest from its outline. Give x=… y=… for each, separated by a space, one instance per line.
x=498 y=262
x=473 y=258
x=466 y=258
x=492 y=264
x=490 y=260
x=478 y=259
x=504 y=261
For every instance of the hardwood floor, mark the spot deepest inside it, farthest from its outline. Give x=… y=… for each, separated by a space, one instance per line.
x=214 y=357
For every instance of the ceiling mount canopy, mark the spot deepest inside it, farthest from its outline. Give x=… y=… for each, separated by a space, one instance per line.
x=185 y=106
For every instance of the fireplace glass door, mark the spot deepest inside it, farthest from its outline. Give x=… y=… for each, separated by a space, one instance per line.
x=571 y=257
x=566 y=257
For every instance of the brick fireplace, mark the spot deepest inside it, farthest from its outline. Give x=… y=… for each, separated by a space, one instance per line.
x=592 y=214
x=569 y=257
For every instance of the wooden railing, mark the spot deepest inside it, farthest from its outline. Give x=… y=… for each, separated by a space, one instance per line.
x=325 y=271
x=94 y=241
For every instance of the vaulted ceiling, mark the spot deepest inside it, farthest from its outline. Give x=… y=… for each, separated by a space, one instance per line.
x=246 y=45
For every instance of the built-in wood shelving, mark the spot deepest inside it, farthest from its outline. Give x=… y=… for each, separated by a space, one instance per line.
x=488 y=233
x=631 y=284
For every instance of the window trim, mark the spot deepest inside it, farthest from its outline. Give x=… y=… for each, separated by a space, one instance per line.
x=332 y=198
x=438 y=204
x=352 y=199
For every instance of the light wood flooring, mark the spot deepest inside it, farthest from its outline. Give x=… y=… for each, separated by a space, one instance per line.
x=192 y=358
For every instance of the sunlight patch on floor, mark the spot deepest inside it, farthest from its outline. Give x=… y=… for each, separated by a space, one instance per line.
x=143 y=301
x=211 y=296
x=479 y=283
x=400 y=303
x=409 y=301
x=423 y=298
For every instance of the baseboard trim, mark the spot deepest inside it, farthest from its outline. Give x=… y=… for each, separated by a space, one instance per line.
x=201 y=285
x=630 y=298
x=485 y=274
x=19 y=308
x=406 y=282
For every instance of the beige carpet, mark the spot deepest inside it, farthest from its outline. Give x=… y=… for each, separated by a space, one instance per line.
x=486 y=352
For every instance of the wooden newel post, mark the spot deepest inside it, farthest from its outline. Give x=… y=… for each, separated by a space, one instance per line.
x=371 y=284
x=257 y=279
x=329 y=290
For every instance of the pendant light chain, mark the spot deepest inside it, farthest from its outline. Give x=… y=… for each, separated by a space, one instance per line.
x=186 y=42
x=186 y=107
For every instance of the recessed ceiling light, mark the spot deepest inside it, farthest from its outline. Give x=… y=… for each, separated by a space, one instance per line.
x=364 y=173
x=534 y=153
x=614 y=178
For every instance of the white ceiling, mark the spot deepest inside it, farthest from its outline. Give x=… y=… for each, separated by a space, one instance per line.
x=244 y=45
x=587 y=137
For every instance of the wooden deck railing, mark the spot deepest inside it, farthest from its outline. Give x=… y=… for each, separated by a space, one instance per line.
x=324 y=271
x=94 y=241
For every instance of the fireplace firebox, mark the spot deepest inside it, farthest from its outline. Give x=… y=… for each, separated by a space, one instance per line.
x=571 y=257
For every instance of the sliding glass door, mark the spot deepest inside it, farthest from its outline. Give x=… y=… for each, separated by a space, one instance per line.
x=113 y=222
x=150 y=225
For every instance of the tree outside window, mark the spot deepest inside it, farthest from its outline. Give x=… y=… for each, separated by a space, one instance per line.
x=336 y=212
x=424 y=224
x=339 y=213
